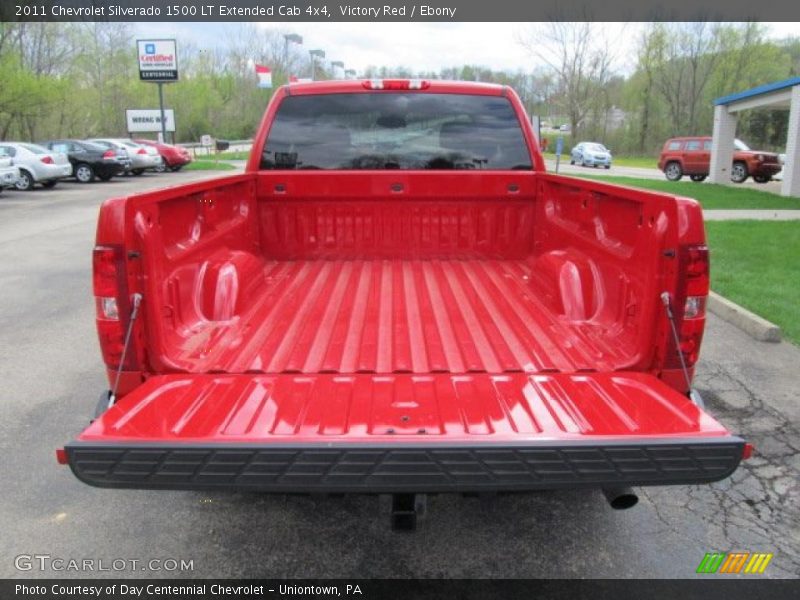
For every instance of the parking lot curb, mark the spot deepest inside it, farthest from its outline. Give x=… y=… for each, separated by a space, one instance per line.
x=753 y=325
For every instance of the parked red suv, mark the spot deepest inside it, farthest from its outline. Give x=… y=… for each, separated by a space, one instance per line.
x=692 y=156
x=174 y=157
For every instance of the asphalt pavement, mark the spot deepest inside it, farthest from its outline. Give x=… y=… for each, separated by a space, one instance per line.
x=52 y=375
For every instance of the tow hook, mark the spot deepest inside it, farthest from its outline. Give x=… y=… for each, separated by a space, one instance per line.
x=405 y=510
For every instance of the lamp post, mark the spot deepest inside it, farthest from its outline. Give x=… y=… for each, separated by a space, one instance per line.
x=314 y=54
x=337 y=63
x=289 y=37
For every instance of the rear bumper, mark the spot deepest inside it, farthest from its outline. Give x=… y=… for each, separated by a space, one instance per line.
x=8 y=177
x=404 y=467
x=175 y=160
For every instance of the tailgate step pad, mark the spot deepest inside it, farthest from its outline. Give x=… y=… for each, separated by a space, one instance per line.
x=403 y=433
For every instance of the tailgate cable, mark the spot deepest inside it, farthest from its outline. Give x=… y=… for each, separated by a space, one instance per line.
x=665 y=298
x=137 y=299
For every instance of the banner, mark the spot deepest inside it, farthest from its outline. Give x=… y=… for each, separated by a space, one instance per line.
x=149 y=120
x=264 y=75
x=158 y=60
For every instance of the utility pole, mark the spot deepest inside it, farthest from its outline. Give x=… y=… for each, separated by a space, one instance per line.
x=314 y=54
x=289 y=37
x=163 y=139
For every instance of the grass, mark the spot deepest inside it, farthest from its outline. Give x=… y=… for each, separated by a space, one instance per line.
x=238 y=155
x=754 y=263
x=710 y=195
x=645 y=162
x=208 y=165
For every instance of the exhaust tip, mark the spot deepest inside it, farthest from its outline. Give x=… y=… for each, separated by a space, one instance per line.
x=621 y=498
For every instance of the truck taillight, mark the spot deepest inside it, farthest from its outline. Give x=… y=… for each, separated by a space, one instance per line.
x=694 y=268
x=396 y=84
x=694 y=264
x=104 y=262
x=111 y=304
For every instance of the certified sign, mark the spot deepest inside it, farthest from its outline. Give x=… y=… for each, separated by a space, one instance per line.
x=146 y=120
x=158 y=60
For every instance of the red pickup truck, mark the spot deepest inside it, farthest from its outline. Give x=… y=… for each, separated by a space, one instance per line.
x=395 y=297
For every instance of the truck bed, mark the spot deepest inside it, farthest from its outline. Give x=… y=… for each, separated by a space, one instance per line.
x=403 y=316
x=520 y=275
x=401 y=332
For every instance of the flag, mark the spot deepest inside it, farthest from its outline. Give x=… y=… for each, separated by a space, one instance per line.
x=296 y=79
x=264 y=75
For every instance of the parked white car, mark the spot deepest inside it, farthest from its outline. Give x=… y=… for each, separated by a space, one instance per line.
x=36 y=164
x=8 y=172
x=141 y=158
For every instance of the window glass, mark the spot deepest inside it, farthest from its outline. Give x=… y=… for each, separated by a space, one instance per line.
x=674 y=146
x=395 y=131
x=61 y=147
x=693 y=145
x=91 y=147
x=8 y=151
x=707 y=145
x=35 y=149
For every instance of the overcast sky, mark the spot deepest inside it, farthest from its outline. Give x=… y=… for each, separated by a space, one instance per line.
x=420 y=46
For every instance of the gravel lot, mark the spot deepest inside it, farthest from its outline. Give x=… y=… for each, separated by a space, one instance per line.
x=52 y=374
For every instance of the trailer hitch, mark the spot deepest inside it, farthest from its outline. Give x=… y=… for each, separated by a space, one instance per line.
x=406 y=508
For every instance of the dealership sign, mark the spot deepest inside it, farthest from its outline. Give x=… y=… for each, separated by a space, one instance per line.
x=142 y=121
x=158 y=60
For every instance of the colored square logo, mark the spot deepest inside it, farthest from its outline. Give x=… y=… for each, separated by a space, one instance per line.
x=149 y=48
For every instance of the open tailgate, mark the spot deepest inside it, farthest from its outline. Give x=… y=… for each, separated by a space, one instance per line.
x=403 y=433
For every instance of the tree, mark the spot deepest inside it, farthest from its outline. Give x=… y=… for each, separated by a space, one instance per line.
x=581 y=59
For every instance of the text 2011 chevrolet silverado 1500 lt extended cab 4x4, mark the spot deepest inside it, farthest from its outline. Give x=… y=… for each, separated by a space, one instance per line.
x=395 y=297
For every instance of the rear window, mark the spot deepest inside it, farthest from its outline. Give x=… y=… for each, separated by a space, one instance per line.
x=395 y=131
x=92 y=147
x=34 y=148
x=60 y=147
x=674 y=146
x=693 y=145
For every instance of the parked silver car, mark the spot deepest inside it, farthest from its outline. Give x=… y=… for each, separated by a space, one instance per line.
x=141 y=159
x=36 y=164
x=590 y=154
x=8 y=172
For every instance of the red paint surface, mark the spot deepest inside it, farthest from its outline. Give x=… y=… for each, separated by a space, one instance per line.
x=473 y=303
x=396 y=408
